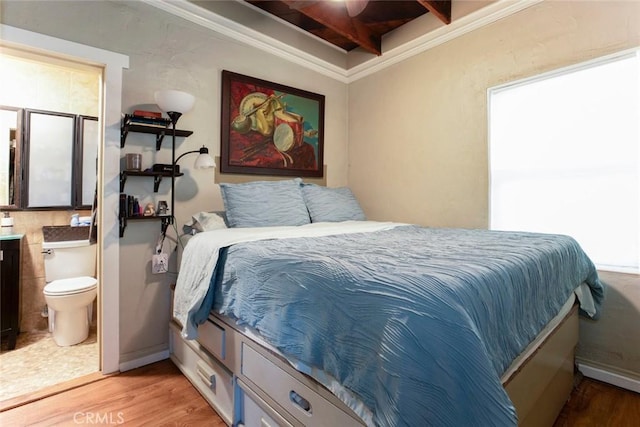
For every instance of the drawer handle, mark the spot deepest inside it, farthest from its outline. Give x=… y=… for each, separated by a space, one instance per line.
x=206 y=375
x=300 y=401
x=209 y=380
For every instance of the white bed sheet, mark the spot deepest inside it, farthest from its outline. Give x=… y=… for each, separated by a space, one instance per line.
x=201 y=254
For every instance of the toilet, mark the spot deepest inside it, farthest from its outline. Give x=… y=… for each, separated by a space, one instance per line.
x=70 y=267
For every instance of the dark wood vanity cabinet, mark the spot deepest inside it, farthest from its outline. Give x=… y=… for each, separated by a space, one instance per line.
x=10 y=291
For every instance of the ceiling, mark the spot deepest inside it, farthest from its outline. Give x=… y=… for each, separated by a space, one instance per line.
x=353 y=23
x=322 y=36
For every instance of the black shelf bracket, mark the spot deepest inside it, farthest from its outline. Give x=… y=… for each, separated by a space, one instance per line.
x=124 y=131
x=123 y=181
x=123 y=225
x=166 y=221
x=159 y=138
x=156 y=182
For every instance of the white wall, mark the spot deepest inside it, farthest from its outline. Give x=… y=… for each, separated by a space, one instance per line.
x=167 y=52
x=418 y=146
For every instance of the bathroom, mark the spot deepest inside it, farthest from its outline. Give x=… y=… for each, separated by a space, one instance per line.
x=43 y=83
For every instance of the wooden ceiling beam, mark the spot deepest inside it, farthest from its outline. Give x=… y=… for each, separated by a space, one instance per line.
x=338 y=20
x=440 y=8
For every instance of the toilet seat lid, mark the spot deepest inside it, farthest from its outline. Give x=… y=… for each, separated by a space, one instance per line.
x=72 y=285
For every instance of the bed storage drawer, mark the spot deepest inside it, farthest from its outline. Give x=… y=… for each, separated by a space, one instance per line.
x=255 y=412
x=548 y=377
x=303 y=403
x=212 y=336
x=209 y=377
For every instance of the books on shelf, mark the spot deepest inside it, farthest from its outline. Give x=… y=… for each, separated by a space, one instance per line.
x=147 y=114
x=129 y=206
x=146 y=121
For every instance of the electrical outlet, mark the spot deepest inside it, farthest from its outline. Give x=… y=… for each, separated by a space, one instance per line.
x=159 y=263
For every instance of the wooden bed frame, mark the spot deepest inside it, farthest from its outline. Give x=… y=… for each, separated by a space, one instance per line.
x=541 y=385
x=250 y=385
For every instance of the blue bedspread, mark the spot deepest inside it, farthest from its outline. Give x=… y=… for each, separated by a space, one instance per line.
x=418 y=323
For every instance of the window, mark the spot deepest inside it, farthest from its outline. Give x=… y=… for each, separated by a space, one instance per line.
x=565 y=157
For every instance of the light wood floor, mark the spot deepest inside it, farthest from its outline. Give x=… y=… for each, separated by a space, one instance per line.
x=159 y=395
x=154 y=395
x=596 y=404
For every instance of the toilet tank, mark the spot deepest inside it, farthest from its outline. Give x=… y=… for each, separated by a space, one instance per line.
x=66 y=259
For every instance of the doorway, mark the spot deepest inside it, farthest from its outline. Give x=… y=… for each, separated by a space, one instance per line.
x=44 y=82
x=109 y=191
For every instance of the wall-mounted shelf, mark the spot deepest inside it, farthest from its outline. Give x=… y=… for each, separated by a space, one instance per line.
x=166 y=220
x=159 y=128
x=157 y=177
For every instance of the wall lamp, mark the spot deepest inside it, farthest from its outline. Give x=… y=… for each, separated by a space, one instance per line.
x=203 y=161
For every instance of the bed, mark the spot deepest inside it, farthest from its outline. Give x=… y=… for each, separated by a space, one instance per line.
x=355 y=322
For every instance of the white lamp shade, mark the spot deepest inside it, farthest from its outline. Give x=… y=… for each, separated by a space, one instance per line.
x=174 y=100
x=204 y=161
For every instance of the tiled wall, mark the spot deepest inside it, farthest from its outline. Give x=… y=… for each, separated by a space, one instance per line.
x=32 y=277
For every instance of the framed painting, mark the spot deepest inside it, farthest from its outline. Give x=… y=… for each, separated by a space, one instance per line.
x=270 y=129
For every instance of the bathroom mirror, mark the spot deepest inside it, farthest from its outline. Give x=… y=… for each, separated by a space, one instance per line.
x=48 y=161
x=89 y=131
x=10 y=137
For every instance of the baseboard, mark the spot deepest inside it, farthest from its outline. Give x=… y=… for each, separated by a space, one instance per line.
x=142 y=361
x=610 y=377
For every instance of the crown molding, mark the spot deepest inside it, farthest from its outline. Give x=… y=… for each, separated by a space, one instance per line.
x=461 y=26
x=242 y=34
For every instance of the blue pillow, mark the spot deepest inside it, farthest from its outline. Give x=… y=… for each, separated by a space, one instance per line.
x=331 y=204
x=265 y=203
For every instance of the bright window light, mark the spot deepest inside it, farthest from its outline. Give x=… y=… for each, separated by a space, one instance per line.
x=565 y=158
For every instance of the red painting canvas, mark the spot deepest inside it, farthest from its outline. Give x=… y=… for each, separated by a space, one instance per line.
x=270 y=129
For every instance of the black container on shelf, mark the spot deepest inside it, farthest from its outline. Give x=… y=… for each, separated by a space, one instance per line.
x=161 y=167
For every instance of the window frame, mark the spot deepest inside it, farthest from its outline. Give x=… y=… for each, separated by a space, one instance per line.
x=600 y=61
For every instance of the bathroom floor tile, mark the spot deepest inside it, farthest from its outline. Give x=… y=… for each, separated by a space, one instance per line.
x=38 y=362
